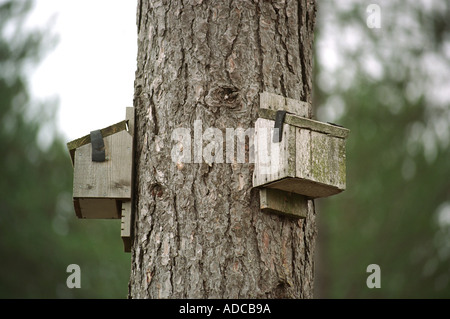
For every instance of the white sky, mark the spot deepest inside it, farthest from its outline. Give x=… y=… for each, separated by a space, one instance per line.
x=92 y=68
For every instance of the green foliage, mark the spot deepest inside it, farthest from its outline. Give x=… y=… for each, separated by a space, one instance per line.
x=40 y=234
x=395 y=211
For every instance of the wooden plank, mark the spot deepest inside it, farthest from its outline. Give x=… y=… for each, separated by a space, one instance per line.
x=125 y=226
x=317 y=126
x=303 y=155
x=299 y=108
x=341 y=164
x=302 y=122
x=283 y=203
x=328 y=160
x=321 y=159
x=76 y=205
x=109 y=179
x=277 y=102
x=290 y=153
x=271 y=159
x=97 y=208
x=304 y=187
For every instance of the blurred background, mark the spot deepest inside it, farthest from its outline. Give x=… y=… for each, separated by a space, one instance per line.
x=391 y=87
x=67 y=67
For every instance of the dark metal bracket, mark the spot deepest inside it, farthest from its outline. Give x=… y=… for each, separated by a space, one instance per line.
x=278 y=128
x=98 y=146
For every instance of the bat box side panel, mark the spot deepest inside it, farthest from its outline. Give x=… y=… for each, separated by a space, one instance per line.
x=273 y=161
x=328 y=160
x=109 y=179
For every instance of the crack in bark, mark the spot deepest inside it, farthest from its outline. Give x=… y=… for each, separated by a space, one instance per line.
x=208 y=45
x=253 y=225
x=230 y=239
x=182 y=69
x=219 y=249
x=139 y=14
x=294 y=275
x=233 y=44
x=154 y=117
x=282 y=86
x=290 y=67
x=302 y=53
x=177 y=217
x=261 y=55
x=283 y=46
x=165 y=17
x=172 y=266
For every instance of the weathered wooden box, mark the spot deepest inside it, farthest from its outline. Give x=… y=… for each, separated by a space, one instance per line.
x=99 y=188
x=103 y=175
x=309 y=160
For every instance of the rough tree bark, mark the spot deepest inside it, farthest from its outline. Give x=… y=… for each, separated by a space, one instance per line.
x=198 y=230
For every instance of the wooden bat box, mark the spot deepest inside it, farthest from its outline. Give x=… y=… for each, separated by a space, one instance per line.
x=102 y=174
x=308 y=160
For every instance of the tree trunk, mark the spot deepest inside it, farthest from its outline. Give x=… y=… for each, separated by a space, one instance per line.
x=198 y=229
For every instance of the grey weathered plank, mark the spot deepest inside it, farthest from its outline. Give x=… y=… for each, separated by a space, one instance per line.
x=283 y=203
x=272 y=160
x=277 y=102
x=109 y=179
x=304 y=187
x=303 y=153
x=302 y=122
